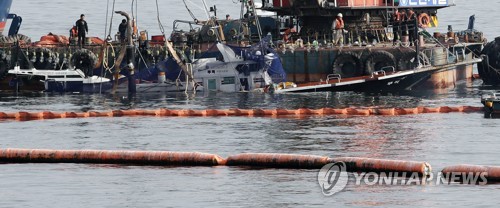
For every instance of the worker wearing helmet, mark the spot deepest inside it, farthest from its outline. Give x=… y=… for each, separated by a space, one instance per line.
x=338 y=30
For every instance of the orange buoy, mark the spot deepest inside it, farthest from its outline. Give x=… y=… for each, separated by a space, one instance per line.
x=277 y=161
x=356 y=164
x=110 y=157
x=467 y=173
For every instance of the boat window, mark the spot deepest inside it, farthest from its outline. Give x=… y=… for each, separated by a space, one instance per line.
x=228 y=81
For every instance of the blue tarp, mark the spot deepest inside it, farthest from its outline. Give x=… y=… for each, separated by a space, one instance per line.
x=169 y=66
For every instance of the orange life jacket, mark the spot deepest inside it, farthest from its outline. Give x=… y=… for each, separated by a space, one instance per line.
x=340 y=24
x=397 y=16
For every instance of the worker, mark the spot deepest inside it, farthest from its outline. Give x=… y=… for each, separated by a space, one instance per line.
x=228 y=17
x=122 y=29
x=410 y=25
x=82 y=30
x=338 y=30
x=397 y=26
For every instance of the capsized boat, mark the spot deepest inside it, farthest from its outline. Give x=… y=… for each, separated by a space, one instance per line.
x=254 y=69
x=386 y=79
x=68 y=80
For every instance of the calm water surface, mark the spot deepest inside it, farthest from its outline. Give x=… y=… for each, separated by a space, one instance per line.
x=440 y=139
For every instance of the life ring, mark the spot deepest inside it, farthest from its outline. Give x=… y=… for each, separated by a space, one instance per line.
x=379 y=60
x=424 y=20
x=286 y=85
x=84 y=60
x=408 y=61
x=347 y=64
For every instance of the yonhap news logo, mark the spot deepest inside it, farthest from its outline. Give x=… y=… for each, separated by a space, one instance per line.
x=334 y=178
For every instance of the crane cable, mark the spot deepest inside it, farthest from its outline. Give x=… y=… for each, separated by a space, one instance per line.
x=189 y=10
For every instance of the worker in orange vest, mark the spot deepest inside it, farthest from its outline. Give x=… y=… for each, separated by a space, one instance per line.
x=338 y=30
x=397 y=18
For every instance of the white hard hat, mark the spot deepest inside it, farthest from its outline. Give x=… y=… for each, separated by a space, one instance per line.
x=340 y=15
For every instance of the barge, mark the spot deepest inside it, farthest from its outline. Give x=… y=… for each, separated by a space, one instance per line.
x=381 y=35
x=385 y=47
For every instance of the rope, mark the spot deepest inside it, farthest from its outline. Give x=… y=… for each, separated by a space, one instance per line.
x=111 y=21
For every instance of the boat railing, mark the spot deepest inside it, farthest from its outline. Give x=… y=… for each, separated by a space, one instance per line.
x=277 y=78
x=338 y=77
x=383 y=71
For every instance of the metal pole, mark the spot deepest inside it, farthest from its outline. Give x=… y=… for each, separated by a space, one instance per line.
x=416 y=39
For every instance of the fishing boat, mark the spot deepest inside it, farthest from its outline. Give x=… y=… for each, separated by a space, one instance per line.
x=68 y=80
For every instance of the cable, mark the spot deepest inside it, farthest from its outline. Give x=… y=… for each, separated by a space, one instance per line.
x=106 y=24
x=162 y=29
x=189 y=10
x=132 y=9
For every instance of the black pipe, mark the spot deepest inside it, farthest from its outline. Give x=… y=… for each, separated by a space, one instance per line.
x=416 y=40
x=132 y=88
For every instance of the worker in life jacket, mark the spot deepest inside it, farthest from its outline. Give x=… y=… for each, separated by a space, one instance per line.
x=397 y=18
x=338 y=30
x=73 y=33
x=82 y=29
x=411 y=25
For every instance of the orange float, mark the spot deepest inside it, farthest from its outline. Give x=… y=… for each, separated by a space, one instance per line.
x=25 y=116
x=277 y=160
x=458 y=172
x=110 y=157
x=356 y=164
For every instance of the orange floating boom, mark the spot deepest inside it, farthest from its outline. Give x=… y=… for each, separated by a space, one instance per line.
x=110 y=157
x=162 y=158
x=490 y=173
x=277 y=160
x=356 y=164
x=26 y=116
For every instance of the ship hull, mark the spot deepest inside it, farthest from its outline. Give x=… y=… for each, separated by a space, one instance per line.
x=4 y=13
x=310 y=65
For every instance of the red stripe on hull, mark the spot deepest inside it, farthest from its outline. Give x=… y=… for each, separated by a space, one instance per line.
x=2 y=26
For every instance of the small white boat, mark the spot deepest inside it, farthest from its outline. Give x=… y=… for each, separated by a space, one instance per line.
x=68 y=80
